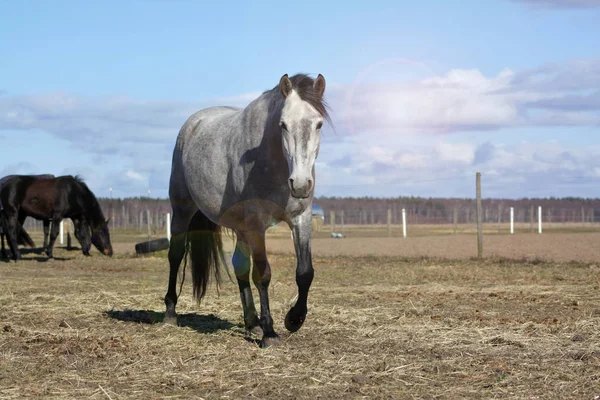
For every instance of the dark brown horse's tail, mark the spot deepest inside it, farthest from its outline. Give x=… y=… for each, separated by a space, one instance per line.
x=206 y=252
x=24 y=238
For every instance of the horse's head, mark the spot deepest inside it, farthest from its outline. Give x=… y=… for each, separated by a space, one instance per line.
x=101 y=238
x=301 y=121
x=83 y=234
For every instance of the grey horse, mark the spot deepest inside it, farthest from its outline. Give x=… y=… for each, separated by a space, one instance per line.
x=246 y=170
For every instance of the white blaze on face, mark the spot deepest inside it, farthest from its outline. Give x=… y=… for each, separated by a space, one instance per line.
x=301 y=136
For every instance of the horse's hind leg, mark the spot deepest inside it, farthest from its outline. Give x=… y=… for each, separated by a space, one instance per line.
x=261 y=275
x=12 y=227
x=179 y=227
x=241 y=265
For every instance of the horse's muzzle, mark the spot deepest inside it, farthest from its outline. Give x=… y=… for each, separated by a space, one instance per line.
x=301 y=191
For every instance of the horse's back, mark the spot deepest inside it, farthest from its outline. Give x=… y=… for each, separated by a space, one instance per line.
x=192 y=126
x=197 y=132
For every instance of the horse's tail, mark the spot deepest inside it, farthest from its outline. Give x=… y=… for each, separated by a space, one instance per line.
x=24 y=238
x=206 y=252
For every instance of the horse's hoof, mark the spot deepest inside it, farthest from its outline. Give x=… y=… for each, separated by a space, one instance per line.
x=294 y=320
x=254 y=331
x=170 y=320
x=268 y=341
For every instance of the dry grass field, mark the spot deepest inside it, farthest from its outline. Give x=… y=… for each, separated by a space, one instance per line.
x=388 y=318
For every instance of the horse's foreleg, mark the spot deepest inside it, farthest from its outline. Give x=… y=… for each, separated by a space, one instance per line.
x=302 y=230
x=261 y=275
x=241 y=265
x=53 y=236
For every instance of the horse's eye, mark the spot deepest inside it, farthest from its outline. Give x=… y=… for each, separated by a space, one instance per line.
x=319 y=125
x=283 y=126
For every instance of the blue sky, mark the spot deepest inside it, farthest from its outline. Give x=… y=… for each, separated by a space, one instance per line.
x=423 y=94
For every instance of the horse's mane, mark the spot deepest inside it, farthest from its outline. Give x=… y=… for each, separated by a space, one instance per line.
x=90 y=199
x=304 y=87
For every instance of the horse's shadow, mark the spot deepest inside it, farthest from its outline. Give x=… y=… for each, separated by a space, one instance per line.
x=38 y=254
x=200 y=323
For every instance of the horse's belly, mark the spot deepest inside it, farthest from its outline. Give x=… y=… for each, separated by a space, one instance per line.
x=37 y=207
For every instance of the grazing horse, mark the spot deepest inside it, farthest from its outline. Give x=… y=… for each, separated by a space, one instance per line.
x=81 y=229
x=246 y=170
x=56 y=199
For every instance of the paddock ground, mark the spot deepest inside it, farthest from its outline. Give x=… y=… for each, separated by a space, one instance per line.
x=384 y=321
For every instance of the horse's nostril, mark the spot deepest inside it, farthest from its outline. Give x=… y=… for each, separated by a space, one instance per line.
x=292 y=184
x=310 y=185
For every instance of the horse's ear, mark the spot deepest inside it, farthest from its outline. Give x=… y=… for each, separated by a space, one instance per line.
x=319 y=85
x=285 y=86
x=107 y=221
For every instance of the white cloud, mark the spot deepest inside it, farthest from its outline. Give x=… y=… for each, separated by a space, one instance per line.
x=466 y=100
x=136 y=176
x=460 y=152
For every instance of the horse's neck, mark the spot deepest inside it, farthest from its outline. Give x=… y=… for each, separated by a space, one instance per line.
x=262 y=126
x=93 y=212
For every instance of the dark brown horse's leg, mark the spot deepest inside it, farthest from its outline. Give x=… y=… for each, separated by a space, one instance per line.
x=261 y=275
x=241 y=265
x=3 y=254
x=46 y=223
x=304 y=271
x=53 y=235
x=12 y=226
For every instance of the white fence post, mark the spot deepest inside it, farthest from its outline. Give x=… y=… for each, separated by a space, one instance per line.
x=62 y=231
x=512 y=220
x=403 y=222
x=169 y=226
x=540 y=220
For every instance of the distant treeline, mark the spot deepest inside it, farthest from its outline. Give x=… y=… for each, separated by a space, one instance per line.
x=367 y=210
x=134 y=212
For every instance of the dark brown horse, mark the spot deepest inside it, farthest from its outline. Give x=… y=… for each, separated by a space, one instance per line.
x=52 y=198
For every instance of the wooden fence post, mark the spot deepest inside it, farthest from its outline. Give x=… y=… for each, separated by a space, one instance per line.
x=61 y=228
x=332 y=220
x=455 y=218
x=531 y=213
x=389 y=222
x=169 y=226
x=148 y=220
x=479 y=224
